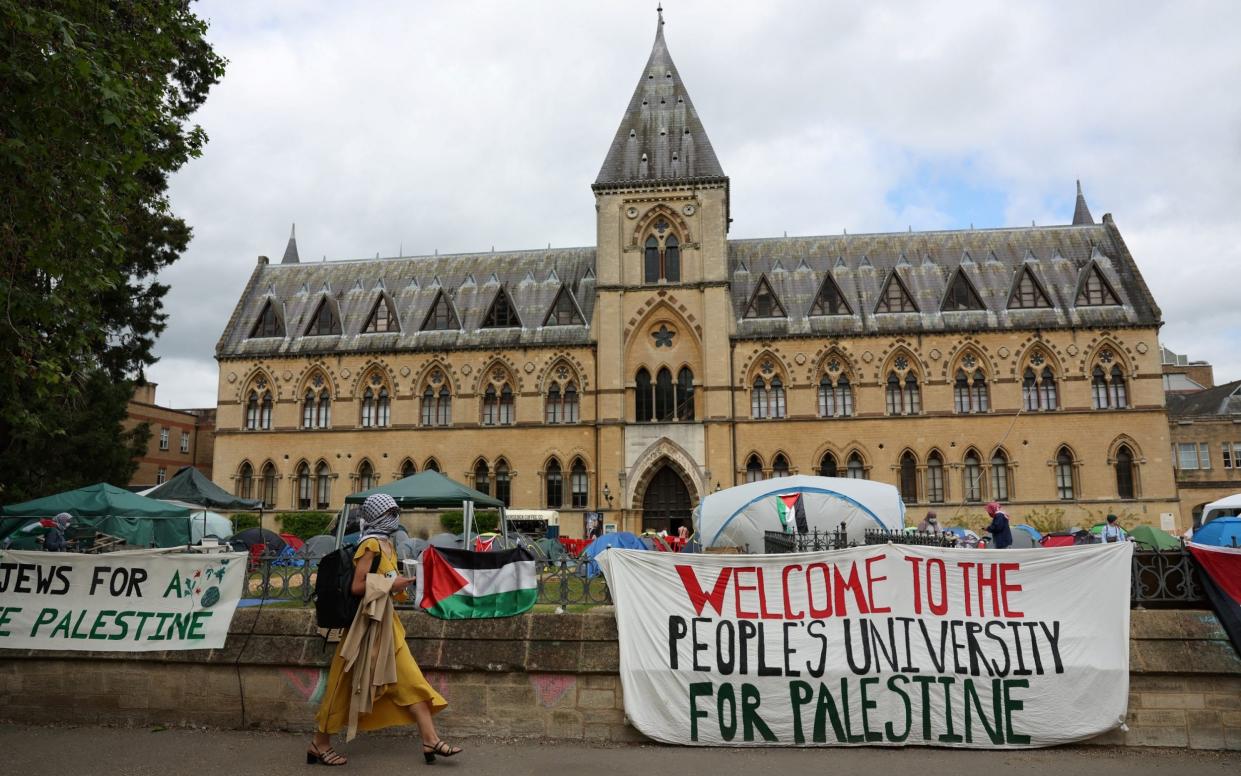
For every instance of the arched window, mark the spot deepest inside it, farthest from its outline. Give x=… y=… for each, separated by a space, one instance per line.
x=482 y=478
x=368 y=408
x=1064 y=474
x=303 y=486
x=269 y=485
x=981 y=400
x=366 y=476
x=325 y=409
x=844 y=397
x=672 y=259
x=555 y=484
x=856 y=469
x=570 y=413
x=665 y=396
x=245 y=481
x=972 y=474
x=758 y=399
x=1118 y=394
x=443 y=416
x=753 y=469
x=308 y=409
x=252 y=411
x=1124 y=473
x=504 y=490
x=893 y=394
x=999 y=476
x=1098 y=389
x=935 y=478
x=835 y=399
x=578 y=484
x=432 y=465
x=827 y=398
x=961 y=393
x=644 y=411
x=383 y=409
x=827 y=466
x=650 y=264
x=780 y=466
x=661 y=257
x=685 y=394
x=265 y=411
x=506 y=405
x=428 y=406
x=777 y=398
x=913 y=396
x=323 y=486
x=408 y=469
x=909 y=478
x=554 y=402
x=1047 y=389
x=490 y=406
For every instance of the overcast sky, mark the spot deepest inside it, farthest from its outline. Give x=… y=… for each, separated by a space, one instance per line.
x=386 y=126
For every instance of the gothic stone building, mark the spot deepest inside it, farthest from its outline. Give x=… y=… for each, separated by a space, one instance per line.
x=667 y=361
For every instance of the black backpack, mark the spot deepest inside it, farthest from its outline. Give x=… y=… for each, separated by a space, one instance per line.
x=335 y=603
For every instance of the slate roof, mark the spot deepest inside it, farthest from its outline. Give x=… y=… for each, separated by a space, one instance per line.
x=471 y=281
x=290 y=250
x=660 y=137
x=1060 y=258
x=1220 y=400
x=1081 y=213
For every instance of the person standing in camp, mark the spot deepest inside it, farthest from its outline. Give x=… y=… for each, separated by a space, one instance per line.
x=54 y=539
x=1112 y=532
x=374 y=689
x=929 y=524
x=1001 y=534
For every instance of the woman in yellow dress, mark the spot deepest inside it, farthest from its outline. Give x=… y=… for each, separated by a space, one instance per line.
x=411 y=700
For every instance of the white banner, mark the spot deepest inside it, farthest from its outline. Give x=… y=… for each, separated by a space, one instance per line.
x=135 y=601
x=885 y=645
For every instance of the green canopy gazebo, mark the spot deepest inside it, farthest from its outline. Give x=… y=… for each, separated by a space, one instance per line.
x=192 y=487
x=424 y=490
x=140 y=521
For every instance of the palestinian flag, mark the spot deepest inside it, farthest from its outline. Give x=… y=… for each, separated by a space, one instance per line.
x=463 y=585
x=1221 y=576
x=791 y=507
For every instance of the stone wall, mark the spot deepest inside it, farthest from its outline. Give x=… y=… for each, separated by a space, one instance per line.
x=536 y=676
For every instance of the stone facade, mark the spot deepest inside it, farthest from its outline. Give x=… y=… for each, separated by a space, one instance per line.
x=1206 y=442
x=538 y=676
x=698 y=361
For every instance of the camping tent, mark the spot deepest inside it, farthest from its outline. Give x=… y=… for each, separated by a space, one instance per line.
x=191 y=486
x=1221 y=532
x=1025 y=537
x=1151 y=538
x=739 y=516
x=204 y=522
x=140 y=521
x=622 y=539
x=1229 y=506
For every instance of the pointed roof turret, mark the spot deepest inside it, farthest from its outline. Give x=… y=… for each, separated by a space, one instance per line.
x=290 y=250
x=1081 y=213
x=660 y=137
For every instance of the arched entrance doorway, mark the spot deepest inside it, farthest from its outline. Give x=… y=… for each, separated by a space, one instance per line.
x=666 y=504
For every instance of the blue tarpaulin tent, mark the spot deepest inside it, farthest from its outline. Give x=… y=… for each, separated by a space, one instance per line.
x=624 y=540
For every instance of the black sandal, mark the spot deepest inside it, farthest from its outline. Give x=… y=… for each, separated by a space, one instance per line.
x=439 y=747
x=327 y=756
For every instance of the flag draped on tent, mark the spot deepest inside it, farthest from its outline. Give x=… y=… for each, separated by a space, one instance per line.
x=791 y=505
x=1221 y=567
x=462 y=585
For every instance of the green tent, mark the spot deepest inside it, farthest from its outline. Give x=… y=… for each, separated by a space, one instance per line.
x=192 y=487
x=427 y=489
x=1151 y=538
x=140 y=521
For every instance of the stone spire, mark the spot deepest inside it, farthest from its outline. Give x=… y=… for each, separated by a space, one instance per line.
x=660 y=137
x=290 y=250
x=1081 y=213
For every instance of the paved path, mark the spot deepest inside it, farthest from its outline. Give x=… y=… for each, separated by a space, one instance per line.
x=40 y=751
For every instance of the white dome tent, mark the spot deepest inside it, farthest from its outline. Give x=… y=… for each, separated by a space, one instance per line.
x=739 y=516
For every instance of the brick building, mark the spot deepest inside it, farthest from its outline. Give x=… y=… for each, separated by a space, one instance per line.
x=178 y=438
x=668 y=360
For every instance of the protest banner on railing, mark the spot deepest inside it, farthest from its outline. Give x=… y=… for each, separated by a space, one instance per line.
x=133 y=601
x=882 y=645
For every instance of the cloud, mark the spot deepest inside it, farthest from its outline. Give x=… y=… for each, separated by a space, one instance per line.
x=386 y=126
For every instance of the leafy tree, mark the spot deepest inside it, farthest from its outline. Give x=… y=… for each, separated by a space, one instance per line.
x=95 y=100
